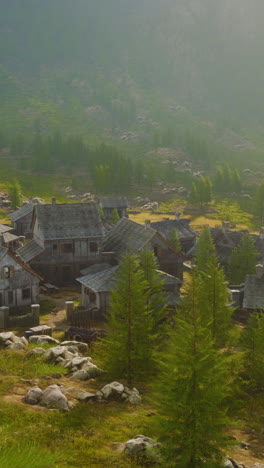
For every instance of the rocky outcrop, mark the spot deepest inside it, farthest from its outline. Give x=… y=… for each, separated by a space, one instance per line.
x=118 y=392
x=51 y=397
x=143 y=448
x=11 y=341
x=43 y=339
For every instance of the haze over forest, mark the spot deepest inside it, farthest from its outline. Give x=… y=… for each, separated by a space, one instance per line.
x=167 y=59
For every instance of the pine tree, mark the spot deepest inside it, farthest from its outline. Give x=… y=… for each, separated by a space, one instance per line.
x=193 y=196
x=128 y=349
x=115 y=216
x=174 y=240
x=156 y=299
x=259 y=202
x=204 y=250
x=192 y=391
x=214 y=303
x=253 y=342
x=15 y=194
x=101 y=211
x=243 y=260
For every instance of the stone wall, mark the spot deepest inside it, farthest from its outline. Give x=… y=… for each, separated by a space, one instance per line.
x=22 y=321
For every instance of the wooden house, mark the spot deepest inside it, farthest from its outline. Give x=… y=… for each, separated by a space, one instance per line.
x=186 y=234
x=22 y=219
x=127 y=235
x=254 y=290
x=98 y=282
x=19 y=284
x=66 y=238
x=108 y=205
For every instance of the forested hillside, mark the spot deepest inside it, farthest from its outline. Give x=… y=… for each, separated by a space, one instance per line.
x=98 y=66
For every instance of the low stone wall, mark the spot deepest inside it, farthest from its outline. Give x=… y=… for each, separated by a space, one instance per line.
x=21 y=321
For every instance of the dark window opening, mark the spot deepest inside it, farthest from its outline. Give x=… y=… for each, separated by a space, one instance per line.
x=55 y=247
x=156 y=250
x=67 y=248
x=26 y=293
x=93 y=247
x=92 y=296
x=10 y=297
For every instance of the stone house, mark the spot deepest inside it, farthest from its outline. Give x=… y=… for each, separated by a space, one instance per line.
x=186 y=234
x=67 y=237
x=108 y=205
x=127 y=235
x=9 y=240
x=254 y=290
x=98 y=281
x=22 y=219
x=19 y=284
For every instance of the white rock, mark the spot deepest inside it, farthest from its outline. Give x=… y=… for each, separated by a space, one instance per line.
x=53 y=397
x=82 y=347
x=33 y=396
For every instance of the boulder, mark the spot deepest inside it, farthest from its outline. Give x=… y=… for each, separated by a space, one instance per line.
x=53 y=397
x=81 y=347
x=36 y=352
x=33 y=396
x=9 y=339
x=117 y=391
x=17 y=346
x=143 y=448
x=43 y=339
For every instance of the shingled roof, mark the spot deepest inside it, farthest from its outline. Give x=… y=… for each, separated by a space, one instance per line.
x=69 y=221
x=127 y=235
x=21 y=212
x=4 y=228
x=29 y=251
x=181 y=225
x=114 y=202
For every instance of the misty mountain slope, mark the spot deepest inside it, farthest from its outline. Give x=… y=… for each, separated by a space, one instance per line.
x=60 y=58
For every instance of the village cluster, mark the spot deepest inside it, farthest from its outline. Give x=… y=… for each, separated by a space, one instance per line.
x=54 y=245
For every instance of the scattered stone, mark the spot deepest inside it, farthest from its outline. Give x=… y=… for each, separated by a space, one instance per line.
x=86 y=396
x=116 y=391
x=81 y=347
x=43 y=339
x=33 y=396
x=143 y=448
x=53 y=397
x=11 y=341
x=36 y=352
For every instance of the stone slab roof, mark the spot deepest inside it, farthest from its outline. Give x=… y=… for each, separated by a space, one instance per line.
x=21 y=212
x=29 y=251
x=4 y=228
x=114 y=202
x=127 y=235
x=254 y=292
x=95 y=268
x=181 y=225
x=101 y=281
x=8 y=237
x=69 y=221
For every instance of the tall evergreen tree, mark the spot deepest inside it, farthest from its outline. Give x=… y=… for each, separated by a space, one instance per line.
x=128 y=349
x=15 y=195
x=115 y=216
x=192 y=391
x=253 y=343
x=243 y=260
x=259 y=202
x=205 y=249
x=156 y=299
x=174 y=240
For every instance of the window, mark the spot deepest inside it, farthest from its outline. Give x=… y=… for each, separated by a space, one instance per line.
x=55 y=247
x=67 y=248
x=10 y=297
x=26 y=293
x=7 y=272
x=93 y=247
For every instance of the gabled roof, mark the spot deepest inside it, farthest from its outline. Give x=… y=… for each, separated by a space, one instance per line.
x=69 y=221
x=114 y=202
x=21 y=212
x=101 y=281
x=4 y=251
x=254 y=292
x=29 y=251
x=8 y=237
x=4 y=228
x=127 y=235
x=95 y=268
x=181 y=225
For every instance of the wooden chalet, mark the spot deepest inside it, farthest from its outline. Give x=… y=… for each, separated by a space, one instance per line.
x=186 y=234
x=108 y=205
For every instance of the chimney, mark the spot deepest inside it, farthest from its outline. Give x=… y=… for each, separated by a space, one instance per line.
x=261 y=234
x=53 y=201
x=147 y=223
x=225 y=225
x=259 y=270
x=177 y=215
